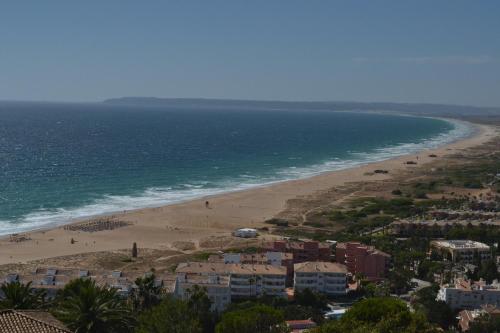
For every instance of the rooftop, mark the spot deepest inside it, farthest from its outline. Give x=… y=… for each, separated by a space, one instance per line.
x=317 y=266
x=299 y=245
x=469 y=285
x=300 y=325
x=460 y=244
x=251 y=257
x=370 y=249
x=204 y=281
x=247 y=230
x=221 y=268
x=24 y=321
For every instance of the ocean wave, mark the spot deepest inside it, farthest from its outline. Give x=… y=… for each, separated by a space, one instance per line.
x=159 y=196
x=460 y=130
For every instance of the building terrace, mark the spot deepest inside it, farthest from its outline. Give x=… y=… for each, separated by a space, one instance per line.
x=323 y=277
x=222 y=268
x=246 y=280
x=470 y=295
x=465 y=251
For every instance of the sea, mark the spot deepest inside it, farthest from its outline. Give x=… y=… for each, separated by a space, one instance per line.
x=65 y=161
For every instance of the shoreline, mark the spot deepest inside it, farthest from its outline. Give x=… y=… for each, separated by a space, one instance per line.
x=307 y=172
x=190 y=221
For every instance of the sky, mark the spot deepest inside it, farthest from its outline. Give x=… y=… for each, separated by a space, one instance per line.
x=445 y=51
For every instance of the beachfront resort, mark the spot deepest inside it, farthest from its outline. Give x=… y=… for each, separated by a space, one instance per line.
x=427 y=247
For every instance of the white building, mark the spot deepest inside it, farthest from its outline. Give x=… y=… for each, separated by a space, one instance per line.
x=245 y=280
x=217 y=288
x=464 y=251
x=323 y=277
x=470 y=295
x=245 y=233
x=257 y=280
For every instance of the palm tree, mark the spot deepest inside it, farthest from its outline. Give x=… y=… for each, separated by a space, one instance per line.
x=17 y=295
x=87 y=308
x=147 y=293
x=199 y=304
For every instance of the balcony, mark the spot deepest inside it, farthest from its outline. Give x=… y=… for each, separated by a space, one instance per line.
x=243 y=287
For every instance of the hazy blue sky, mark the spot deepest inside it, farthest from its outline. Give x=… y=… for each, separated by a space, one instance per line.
x=416 y=51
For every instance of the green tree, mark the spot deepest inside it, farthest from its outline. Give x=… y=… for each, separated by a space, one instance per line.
x=87 y=308
x=371 y=289
x=147 y=293
x=485 y=324
x=378 y=315
x=17 y=295
x=437 y=312
x=170 y=316
x=488 y=271
x=134 y=250
x=200 y=305
x=257 y=319
x=309 y=298
x=400 y=280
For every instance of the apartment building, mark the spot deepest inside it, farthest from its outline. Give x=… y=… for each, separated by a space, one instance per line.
x=302 y=251
x=323 y=277
x=217 y=288
x=266 y=258
x=463 y=251
x=52 y=279
x=363 y=259
x=245 y=280
x=470 y=295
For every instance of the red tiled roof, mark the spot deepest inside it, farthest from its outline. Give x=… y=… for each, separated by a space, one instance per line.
x=18 y=321
x=300 y=324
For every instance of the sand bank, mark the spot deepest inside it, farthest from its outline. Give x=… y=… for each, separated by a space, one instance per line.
x=162 y=227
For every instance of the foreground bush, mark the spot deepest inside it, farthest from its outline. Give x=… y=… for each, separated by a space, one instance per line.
x=256 y=319
x=379 y=315
x=17 y=295
x=170 y=316
x=87 y=308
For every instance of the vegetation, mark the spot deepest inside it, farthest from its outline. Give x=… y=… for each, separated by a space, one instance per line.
x=170 y=316
x=256 y=319
x=436 y=312
x=21 y=296
x=397 y=192
x=134 y=250
x=85 y=307
x=487 y=270
x=306 y=305
x=199 y=304
x=278 y=222
x=202 y=256
x=485 y=324
x=378 y=315
x=147 y=293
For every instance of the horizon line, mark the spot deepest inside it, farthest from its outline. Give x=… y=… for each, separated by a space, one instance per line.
x=246 y=100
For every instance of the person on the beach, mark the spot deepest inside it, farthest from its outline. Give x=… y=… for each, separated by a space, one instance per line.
x=207 y=204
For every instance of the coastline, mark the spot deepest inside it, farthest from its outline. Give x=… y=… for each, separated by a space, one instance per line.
x=191 y=221
x=153 y=197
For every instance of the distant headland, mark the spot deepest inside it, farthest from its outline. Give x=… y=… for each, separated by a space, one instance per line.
x=423 y=109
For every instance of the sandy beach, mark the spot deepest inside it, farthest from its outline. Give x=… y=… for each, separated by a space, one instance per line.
x=193 y=223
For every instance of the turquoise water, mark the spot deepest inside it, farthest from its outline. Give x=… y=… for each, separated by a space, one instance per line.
x=65 y=161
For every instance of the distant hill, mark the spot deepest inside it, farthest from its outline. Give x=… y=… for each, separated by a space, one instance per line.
x=423 y=109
